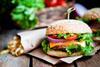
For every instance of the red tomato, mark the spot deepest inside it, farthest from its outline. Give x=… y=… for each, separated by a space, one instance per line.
x=62 y=3
x=53 y=36
x=72 y=37
x=54 y=3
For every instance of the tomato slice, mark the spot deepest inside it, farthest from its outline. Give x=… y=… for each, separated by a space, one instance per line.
x=74 y=37
x=53 y=36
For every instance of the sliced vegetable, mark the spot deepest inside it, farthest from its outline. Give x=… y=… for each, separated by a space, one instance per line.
x=62 y=35
x=53 y=36
x=65 y=44
x=72 y=48
x=52 y=39
x=54 y=3
x=73 y=37
x=88 y=50
x=45 y=45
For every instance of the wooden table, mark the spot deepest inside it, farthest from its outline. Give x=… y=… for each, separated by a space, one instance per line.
x=8 y=60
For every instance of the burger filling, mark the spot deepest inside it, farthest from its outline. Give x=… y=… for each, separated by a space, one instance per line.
x=95 y=25
x=69 y=43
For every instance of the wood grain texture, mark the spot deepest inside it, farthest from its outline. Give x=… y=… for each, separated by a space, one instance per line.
x=64 y=65
x=40 y=63
x=11 y=61
x=90 y=62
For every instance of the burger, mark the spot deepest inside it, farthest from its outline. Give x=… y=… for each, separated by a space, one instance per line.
x=68 y=38
x=92 y=18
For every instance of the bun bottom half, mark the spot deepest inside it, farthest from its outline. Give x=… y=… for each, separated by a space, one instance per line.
x=61 y=54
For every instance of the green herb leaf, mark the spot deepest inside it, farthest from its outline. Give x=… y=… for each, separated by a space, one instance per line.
x=45 y=45
x=17 y=16
x=88 y=50
x=29 y=11
x=62 y=35
x=98 y=20
x=96 y=34
x=70 y=49
x=85 y=37
x=25 y=12
x=32 y=16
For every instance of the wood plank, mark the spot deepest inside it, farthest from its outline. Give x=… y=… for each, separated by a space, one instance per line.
x=40 y=63
x=90 y=62
x=64 y=65
x=11 y=61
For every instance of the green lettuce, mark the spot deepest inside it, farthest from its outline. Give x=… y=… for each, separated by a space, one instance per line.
x=96 y=34
x=70 y=49
x=62 y=35
x=87 y=50
x=45 y=46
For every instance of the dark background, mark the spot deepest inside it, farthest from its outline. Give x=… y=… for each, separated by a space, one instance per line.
x=89 y=3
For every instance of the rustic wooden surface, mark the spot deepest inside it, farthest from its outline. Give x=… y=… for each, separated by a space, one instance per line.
x=8 y=60
x=91 y=62
x=11 y=61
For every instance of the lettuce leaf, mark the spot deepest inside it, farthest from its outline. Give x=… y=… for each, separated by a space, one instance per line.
x=86 y=37
x=72 y=48
x=87 y=50
x=96 y=34
x=45 y=46
x=62 y=35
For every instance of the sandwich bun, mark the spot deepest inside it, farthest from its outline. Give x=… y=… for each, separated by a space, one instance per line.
x=68 y=26
x=92 y=14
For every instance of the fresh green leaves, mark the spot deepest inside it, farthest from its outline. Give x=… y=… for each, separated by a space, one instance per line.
x=72 y=48
x=88 y=20
x=25 y=12
x=62 y=35
x=96 y=34
x=30 y=3
x=88 y=50
x=98 y=20
x=45 y=45
x=17 y=17
x=85 y=37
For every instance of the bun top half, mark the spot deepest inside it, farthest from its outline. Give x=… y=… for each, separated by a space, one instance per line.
x=92 y=14
x=68 y=26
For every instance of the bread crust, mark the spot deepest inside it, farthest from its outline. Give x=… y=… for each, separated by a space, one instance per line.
x=68 y=26
x=61 y=54
x=92 y=14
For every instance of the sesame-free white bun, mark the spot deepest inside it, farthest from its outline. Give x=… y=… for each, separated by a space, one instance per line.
x=68 y=26
x=92 y=14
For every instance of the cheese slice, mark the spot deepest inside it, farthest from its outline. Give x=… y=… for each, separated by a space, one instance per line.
x=83 y=44
x=67 y=43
